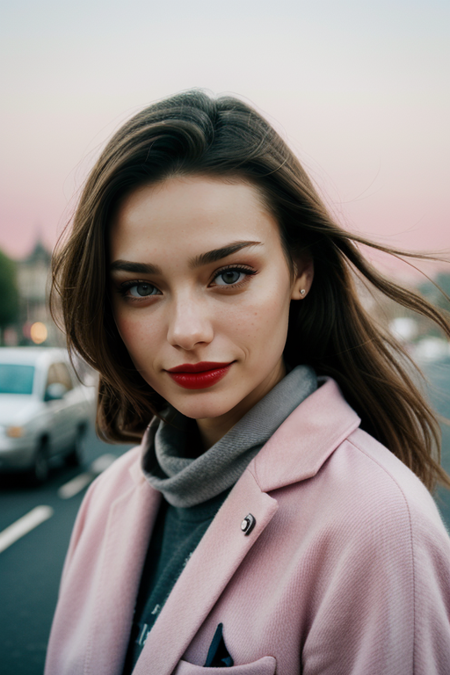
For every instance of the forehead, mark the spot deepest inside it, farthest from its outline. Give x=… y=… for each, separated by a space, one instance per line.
x=194 y=210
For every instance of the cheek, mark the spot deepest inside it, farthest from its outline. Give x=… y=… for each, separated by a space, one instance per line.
x=271 y=323
x=263 y=321
x=274 y=300
x=136 y=331
x=126 y=332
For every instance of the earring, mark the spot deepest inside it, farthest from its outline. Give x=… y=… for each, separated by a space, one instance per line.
x=302 y=292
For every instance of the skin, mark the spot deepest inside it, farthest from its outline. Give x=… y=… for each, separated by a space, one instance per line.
x=184 y=313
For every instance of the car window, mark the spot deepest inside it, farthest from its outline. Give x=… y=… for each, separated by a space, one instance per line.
x=16 y=379
x=64 y=375
x=58 y=372
x=52 y=376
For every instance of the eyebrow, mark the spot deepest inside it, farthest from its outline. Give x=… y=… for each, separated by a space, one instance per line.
x=219 y=253
x=136 y=267
x=197 y=261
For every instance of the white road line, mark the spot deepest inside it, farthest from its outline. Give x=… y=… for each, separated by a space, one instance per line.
x=75 y=485
x=102 y=463
x=78 y=483
x=24 y=525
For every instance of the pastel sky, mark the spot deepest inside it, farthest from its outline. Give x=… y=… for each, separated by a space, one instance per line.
x=360 y=89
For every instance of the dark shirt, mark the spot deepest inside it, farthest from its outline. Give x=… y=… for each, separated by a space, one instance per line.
x=175 y=537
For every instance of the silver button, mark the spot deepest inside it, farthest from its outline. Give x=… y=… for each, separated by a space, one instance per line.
x=248 y=524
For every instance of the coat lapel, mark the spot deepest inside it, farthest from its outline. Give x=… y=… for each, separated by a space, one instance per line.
x=128 y=530
x=305 y=440
x=206 y=575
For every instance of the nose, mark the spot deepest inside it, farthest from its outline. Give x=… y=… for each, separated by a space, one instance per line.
x=189 y=324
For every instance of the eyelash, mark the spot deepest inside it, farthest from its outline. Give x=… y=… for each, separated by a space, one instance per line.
x=248 y=271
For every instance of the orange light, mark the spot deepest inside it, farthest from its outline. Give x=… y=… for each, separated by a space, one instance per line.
x=38 y=333
x=15 y=432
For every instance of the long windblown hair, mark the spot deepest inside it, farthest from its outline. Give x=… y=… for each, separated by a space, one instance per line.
x=195 y=134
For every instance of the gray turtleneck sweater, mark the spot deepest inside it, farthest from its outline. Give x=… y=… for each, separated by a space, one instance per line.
x=194 y=488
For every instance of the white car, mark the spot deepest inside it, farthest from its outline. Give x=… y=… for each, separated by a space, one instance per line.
x=44 y=410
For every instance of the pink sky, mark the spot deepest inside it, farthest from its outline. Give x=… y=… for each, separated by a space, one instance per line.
x=361 y=91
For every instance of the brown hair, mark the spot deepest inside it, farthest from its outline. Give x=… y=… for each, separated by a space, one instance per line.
x=192 y=133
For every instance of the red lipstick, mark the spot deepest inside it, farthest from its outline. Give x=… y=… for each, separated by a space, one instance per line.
x=199 y=375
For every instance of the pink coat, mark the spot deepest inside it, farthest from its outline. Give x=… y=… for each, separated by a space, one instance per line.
x=346 y=572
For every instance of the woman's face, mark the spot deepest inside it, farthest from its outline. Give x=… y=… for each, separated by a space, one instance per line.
x=200 y=284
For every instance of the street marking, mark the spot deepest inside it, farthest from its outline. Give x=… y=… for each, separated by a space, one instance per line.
x=24 y=525
x=74 y=486
x=102 y=463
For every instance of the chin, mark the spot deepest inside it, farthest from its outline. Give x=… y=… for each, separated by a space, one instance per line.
x=204 y=409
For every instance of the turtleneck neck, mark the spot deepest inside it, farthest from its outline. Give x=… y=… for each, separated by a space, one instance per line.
x=186 y=481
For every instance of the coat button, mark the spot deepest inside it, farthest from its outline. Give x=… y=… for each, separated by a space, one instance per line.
x=248 y=524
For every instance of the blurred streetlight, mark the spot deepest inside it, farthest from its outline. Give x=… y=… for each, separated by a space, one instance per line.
x=38 y=332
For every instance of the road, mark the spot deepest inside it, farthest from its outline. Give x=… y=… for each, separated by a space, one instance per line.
x=438 y=375
x=30 y=568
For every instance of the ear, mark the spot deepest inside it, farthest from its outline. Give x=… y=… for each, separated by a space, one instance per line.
x=303 y=277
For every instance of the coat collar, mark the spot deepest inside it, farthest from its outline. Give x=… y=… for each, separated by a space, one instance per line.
x=300 y=446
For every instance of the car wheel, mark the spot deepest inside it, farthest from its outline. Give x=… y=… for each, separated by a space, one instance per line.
x=76 y=455
x=40 y=469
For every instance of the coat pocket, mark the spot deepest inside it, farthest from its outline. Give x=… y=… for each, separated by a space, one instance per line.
x=265 y=666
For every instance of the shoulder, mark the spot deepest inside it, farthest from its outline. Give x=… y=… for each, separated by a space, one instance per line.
x=340 y=474
x=116 y=486
x=389 y=479
x=117 y=478
x=358 y=495
x=120 y=472
x=381 y=508
x=378 y=559
x=115 y=482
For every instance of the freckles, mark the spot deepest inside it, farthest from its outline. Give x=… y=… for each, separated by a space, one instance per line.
x=123 y=326
x=131 y=332
x=127 y=321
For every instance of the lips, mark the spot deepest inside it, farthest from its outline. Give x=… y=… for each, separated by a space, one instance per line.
x=199 y=375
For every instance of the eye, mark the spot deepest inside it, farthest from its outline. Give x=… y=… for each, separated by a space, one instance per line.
x=232 y=276
x=229 y=277
x=141 y=290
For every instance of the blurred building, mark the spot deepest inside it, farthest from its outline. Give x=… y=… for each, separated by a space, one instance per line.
x=32 y=277
x=35 y=325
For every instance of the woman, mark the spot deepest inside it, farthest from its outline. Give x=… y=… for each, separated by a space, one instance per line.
x=275 y=517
